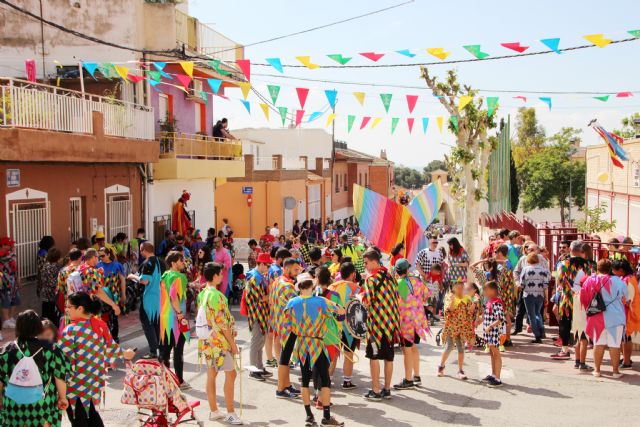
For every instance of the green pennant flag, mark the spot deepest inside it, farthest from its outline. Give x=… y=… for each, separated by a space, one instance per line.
x=205 y=97
x=339 y=58
x=394 y=124
x=454 y=122
x=283 y=114
x=492 y=104
x=155 y=75
x=386 y=100
x=106 y=69
x=350 y=120
x=603 y=98
x=215 y=64
x=274 y=91
x=634 y=33
x=474 y=49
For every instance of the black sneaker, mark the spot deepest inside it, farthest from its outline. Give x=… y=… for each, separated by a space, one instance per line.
x=586 y=368
x=417 y=381
x=310 y=421
x=293 y=390
x=285 y=394
x=493 y=382
x=576 y=365
x=487 y=379
x=273 y=363
x=536 y=341
x=256 y=376
x=348 y=385
x=372 y=395
x=386 y=394
x=266 y=373
x=331 y=422
x=626 y=366
x=508 y=343
x=405 y=384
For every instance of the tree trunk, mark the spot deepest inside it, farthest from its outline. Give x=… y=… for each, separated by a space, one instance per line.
x=470 y=216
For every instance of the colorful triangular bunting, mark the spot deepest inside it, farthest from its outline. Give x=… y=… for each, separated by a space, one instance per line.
x=339 y=58
x=247 y=105
x=299 y=116
x=410 y=121
x=330 y=119
x=394 y=124
x=475 y=50
x=187 y=66
x=350 y=120
x=91 y=67
x=440 y=120
x=214 y=84
x=306 y=61
x=552 y=44
x=375 y=122
x=245 y=87
x=406 y=52
x=360 y=97
x=275 y=63
x=454 y=122
x=386 y=100
x=302 y=95
x=331 y=97
x=425 y=124
x=492 y=104
x=438 y=52
x=283 y=114
x=184 y=80
x=515 y=46
x=365 y=122
x=265 y=110
x=603 y=98
x=372 y=55
x=245 y=67
x=464 y=101
x=597 y=39
x=411 y=102
x=274 y=91
x=546 y=100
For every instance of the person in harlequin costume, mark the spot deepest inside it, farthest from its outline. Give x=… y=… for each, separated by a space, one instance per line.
x=283 y=291
x=307 y=317
x=347 y=289
x=413 y=322
x=383 y=322
x=334 y=325
x=180 y=219
x=90 y=349
x=257 y=298
x=275 y=271
x=173 y=297
x=93 y=280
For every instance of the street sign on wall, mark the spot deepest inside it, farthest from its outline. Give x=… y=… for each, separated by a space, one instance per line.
x=13 y=178
x=247 y=190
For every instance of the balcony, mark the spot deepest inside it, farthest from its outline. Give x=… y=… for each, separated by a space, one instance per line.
x=187 y=156
x=265 y=163
x=39 y=122
x=204 y=40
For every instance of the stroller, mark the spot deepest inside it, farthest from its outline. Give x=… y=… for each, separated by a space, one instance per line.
x=154 y=389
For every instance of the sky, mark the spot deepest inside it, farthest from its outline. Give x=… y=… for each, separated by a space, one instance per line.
x=424 y=24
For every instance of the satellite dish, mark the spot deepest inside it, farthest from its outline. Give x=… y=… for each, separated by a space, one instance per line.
x=289 y=203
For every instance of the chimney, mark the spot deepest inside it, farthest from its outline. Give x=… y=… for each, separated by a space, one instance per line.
x=383 y=154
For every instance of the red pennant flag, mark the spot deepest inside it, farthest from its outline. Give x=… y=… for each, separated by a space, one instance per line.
x=365 y=121
x=410 y=121
x=184 y=79
x=523 y=98
x=372 y=56
x=299 y=116
x=302 y=95
x=134 y=78
x=624 y=94
x=411 y=102
x=515 y=46
x=245 y=67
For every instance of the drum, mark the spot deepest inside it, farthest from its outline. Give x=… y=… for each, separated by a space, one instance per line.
x=356 y=319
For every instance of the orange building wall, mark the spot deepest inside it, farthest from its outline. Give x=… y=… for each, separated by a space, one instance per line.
x=354 y=171
x=340 y=199
x=379 y=179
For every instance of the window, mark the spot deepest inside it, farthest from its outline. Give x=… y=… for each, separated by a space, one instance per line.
x=337 y=180
x=360 y=178
x=200 y=118
x=344 y=182
x=366 y=179
x=163 y=107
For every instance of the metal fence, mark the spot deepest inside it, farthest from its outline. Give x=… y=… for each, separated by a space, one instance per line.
x=29 y=222
x=118 y=215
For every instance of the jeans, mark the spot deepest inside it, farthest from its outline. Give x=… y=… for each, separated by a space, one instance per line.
x=520 y=313
x=151 y=330
x=533 y=304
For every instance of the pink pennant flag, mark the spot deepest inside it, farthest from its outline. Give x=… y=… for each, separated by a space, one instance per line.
x=624 y=95
x=523 y=98
x=299 y=116
x=372 y=56
x=30 y=68
x=410 y=121
x=365 y=121
x=184 y=79
x=515 y=46
x=302 y=95
x=134 y=78
x=411 y=102
x=245 y=67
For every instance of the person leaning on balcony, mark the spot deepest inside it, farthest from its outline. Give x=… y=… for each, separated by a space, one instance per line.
x=220 y=129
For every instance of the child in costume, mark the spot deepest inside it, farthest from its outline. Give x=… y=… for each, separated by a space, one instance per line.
x=459 y=317
x=493 y=324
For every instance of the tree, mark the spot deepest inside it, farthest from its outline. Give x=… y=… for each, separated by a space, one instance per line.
x=628 y=129
x=469 y=158
x=550 y=176
x=593 y=223
x=530 y=136
x=432 y=166
x=408 y=177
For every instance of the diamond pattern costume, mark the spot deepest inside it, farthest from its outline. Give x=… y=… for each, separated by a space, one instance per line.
x=51 y=363
x=346 y=292
x=219 y=317
x=459 y=318
x=307 y=316
x=507 y=288
x=111 y=272
x=90 y=350
x=256 y=289
x=413 y=295
x=455 y=272
x=567 y=272
x=172 y=285
x=283 y=291
x=92 y=278
x=381 y=297
x=333 y=331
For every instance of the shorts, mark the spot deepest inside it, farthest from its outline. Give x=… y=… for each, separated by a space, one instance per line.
x=408 y=344
x=609 y=338
x=582 y=336
x=626 y=338
x=355 y=343
x=6 y=301
x=225 y=363
x=382 y=352
x=287 y=350
x=320 y=372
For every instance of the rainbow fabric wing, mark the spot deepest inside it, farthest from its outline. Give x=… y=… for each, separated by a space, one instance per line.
x=425 y=206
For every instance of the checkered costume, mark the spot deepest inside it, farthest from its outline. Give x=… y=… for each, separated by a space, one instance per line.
x=92 y=278
x=256 y=289
x=51 y=363
x=283 y=291
x=381 y=296
x=427 y=257
x=90 y=350
x=494 y=310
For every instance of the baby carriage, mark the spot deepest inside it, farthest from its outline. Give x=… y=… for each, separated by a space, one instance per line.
x=154 y=389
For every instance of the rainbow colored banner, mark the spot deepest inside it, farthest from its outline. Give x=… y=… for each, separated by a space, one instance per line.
x=425 y=205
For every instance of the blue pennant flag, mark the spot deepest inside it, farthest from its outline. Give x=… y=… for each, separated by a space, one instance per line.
x=247 y=105
x=406 y=52
x=331 y=97
x=546 y=100
x=91 y=67
x=314 y=116
x=552 y=44
x=215 y=85
x=425 y=124
x=275 y=63
x=154 y=83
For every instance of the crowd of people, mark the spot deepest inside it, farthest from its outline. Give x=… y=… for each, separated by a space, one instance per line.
x=295 y=296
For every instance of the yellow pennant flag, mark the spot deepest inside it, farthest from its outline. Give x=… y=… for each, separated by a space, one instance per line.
x=306 y=61
x=440 y=123
x=244 y=87
x=122 y=71
x=438 y=52
x=330 y=119
x=359 y=96
x=597 y=39
x=375 y=122
x=265 y=110
x=187 y=66
x=464 y=101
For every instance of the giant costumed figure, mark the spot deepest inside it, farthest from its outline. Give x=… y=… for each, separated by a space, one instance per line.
x=180 y=218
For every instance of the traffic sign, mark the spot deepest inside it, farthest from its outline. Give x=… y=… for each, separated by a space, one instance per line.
x=247 y=190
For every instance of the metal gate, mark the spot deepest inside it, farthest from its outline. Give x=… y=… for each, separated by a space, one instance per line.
x=118 y=215
x=29 y=222
x=75 y=211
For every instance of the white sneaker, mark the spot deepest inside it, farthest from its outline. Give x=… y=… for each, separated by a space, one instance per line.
x=232 y=418
x=215 y=415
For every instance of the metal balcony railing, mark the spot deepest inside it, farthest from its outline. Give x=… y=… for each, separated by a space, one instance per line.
x=203 y=39
x=177 y=145
x=265 y=163
x=25 y=104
